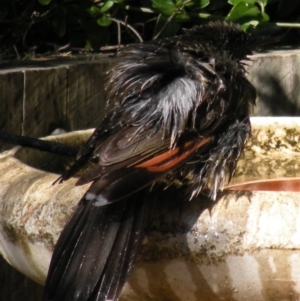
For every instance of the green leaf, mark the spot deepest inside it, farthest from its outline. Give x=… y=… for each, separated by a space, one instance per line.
x=264 y=17
x=104 y=21
x=118 y=1
x=44 y=2
x=246 y=26
x=94 y=10
x=251 y=24
x=198 y=4
x=179 y=3
x=166 y=7
x=261 y=2
x=234 y=2
x=107 y=5
x=203 y=3
x=243 y=11
x=182 y=17
x=246 y=14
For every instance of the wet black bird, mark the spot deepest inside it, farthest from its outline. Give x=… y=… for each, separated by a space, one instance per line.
x=178 y=109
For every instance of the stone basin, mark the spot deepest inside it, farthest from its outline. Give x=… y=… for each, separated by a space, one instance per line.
x=244 y=246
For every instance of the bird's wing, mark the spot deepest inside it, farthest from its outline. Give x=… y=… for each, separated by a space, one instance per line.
x=122 y=182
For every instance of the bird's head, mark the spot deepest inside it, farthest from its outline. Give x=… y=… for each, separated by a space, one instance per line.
x=225 y=37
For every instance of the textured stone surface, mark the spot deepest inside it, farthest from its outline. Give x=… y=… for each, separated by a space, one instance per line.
x=45 y=100
x=276 y=77
x=273 y=152
x=11 y=103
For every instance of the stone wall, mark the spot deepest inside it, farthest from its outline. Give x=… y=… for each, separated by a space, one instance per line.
x=276 y=77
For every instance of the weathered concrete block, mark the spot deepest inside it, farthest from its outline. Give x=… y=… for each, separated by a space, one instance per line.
x=276 y=77
x=11 y=102
x=45 y=100
x=86 y=97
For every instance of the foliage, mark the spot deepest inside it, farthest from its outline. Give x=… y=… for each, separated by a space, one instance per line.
x=42 y=27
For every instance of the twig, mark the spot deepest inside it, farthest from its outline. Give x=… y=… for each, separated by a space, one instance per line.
x=113 y=47
x=128 y=26
x=103 y=48
x=42 y=145
x=25 y=35
x=48 y=12
x=17 y=53
x=119 y=34
x=289 y=25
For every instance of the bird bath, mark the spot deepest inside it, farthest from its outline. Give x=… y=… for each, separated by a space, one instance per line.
x=245 y=246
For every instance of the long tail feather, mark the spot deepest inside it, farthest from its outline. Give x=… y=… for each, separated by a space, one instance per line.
x=96 y=251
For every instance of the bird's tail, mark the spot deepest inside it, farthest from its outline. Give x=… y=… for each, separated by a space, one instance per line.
x=96 y=251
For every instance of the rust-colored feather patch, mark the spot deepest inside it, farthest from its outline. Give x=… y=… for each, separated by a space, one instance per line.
x=171 y=158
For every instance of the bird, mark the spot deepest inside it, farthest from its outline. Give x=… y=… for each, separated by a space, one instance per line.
x=177 y=112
